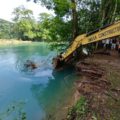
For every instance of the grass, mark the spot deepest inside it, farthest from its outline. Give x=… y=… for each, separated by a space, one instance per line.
x=79 y=110
x=114 y=77
x=114 y=106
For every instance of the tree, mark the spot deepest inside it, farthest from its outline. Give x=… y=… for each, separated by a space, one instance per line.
x=74 y=18
x=110 y=11
x=62 y=10
x=53 y=28
x=88 y=15
x=79 y=16
x=44 y=26
x=22 y=13
x=24 y=23
x=6 y=29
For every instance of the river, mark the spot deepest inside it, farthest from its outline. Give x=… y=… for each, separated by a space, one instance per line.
x=32 y=94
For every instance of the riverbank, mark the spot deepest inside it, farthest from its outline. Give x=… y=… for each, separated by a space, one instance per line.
x=97 y=95
x=12 y=42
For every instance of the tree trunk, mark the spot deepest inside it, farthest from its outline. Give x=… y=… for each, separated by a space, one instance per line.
x=105 y=12
x=114 y=12
x=74 y=20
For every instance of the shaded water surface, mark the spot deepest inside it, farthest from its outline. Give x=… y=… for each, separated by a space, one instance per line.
x=31 y=94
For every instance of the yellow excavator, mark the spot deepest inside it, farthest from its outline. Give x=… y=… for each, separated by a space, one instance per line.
x=103 y=33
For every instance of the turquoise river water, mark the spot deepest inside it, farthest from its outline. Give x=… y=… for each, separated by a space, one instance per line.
x=31 y=94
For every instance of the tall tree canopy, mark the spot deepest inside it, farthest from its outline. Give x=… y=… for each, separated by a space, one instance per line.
x=6 y=31
x=109 y=11
x=71 y=18
x=24 y=23
x=63 y=9
x=92 y=11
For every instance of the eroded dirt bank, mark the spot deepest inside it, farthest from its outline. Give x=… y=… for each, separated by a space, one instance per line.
x=100 y=86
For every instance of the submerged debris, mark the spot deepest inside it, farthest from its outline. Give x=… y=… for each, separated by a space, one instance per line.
x=30 y=65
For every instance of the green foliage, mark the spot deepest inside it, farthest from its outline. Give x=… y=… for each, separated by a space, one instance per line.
x=22 y=13
x=110 y=11
x=88 y=16
x=61 y=8
x=53 y=29
x=44 y=26
x=25 y=29
x=24 y=23
x=6 y=29
x=71 y=17
x=78 y=112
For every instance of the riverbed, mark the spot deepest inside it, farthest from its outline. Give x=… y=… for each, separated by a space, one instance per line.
x=32 y=94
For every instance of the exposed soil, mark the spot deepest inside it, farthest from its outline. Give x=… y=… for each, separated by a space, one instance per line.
x=100 y=85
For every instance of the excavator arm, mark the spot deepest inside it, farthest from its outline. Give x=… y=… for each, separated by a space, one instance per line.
x=109 y=31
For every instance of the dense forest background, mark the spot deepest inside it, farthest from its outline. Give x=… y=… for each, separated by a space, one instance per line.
x=71 y=18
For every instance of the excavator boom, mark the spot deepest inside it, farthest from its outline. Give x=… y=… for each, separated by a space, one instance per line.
x=109 y=31
x=101 y=34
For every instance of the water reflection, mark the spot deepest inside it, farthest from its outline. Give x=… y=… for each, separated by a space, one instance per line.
x=44 y=91
x=15 y=83
x=54 y=95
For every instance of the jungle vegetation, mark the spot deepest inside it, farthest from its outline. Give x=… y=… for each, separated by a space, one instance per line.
x=71 y=18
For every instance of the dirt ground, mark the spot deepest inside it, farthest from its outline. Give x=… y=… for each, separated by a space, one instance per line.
x=100 y=85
